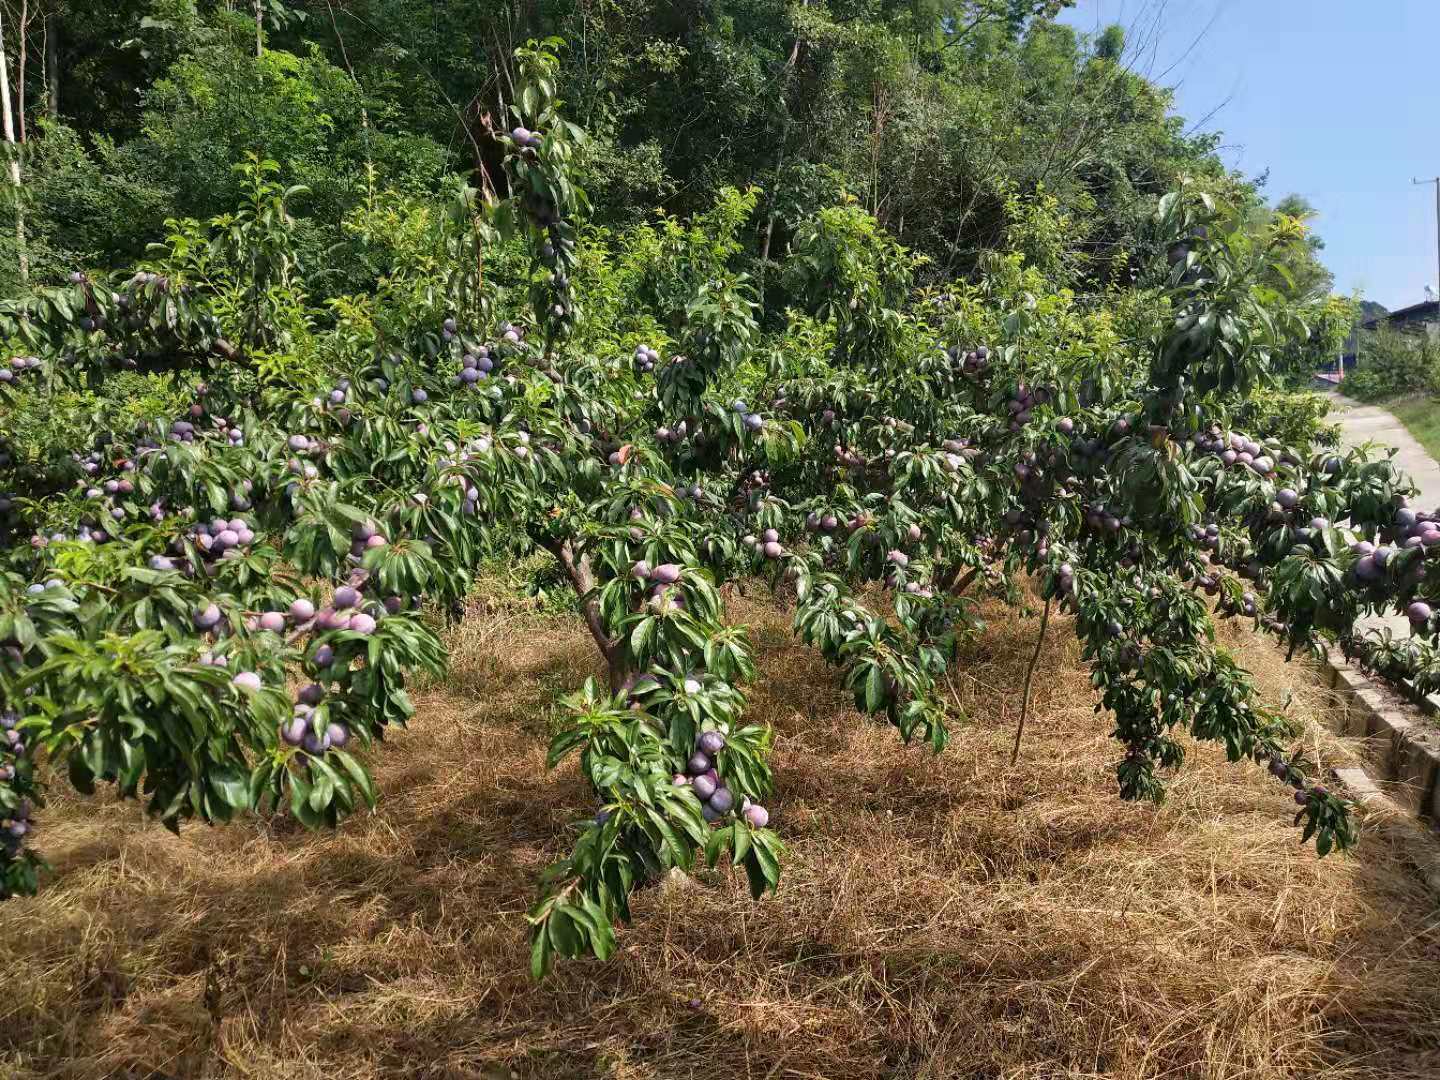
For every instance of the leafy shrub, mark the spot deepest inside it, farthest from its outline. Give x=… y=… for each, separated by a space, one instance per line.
x=1394 y=364
x=1294 y=417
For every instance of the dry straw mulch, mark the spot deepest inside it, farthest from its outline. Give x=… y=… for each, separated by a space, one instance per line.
x=949 y=917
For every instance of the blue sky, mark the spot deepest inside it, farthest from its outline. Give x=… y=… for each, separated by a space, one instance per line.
x=1338 y=99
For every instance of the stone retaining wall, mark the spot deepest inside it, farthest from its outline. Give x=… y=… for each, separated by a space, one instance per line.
x=1402 y=743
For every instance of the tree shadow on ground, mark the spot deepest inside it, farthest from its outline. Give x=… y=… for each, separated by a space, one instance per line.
x=943 y=916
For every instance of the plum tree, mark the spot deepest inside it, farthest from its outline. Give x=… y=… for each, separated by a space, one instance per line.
x=872 y=478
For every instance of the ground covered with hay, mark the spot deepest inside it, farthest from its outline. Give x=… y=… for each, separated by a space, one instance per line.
x=950 y=917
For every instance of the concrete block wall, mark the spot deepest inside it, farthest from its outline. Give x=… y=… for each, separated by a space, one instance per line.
x=1402 y=742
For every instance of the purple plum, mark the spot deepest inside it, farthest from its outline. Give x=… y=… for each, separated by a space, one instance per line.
x=704 y=787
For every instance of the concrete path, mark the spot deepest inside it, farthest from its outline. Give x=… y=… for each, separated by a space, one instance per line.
x=1369 y=423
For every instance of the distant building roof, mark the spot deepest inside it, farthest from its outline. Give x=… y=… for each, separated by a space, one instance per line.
x=1425 y=311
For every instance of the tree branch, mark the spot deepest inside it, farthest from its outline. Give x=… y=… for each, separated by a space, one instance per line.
x=582 y=579
x=1029 y=678
x=948 y=583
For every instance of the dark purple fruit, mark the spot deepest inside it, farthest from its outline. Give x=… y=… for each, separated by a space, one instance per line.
x=704 y=787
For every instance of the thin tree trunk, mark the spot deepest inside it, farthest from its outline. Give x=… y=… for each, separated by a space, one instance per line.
x=8 y=112
x=779 y=164
x=52 y=64
x=582 y=580
x=1029 y=678
x=359 y=90
x=23 y=48
x=259 y=29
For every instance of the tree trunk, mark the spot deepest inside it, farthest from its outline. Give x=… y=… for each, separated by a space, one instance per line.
x=577 y=569
x=1029 y=678
x=23 y=50
x=779 y=164
x=13 y=153
x=259 y=29
x=52 y=64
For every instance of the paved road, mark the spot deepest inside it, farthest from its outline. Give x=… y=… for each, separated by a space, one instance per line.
x=1369 y=423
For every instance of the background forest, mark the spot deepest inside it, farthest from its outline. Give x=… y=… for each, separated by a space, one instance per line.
x=953 y=123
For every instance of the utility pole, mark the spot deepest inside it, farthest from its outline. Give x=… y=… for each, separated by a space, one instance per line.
x=1436 y=182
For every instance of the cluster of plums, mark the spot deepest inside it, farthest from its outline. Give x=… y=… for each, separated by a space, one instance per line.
x=17 y=367
x=525 y=138
x=1065 y=579
x=701 y=777
x=474 y=366
x=337 y=399
x=347 y=609
x=768 y=544
x=12 y=743
x=1235 y=451
x=817 y=522
x=300 y=730
x=1414 y=528
x=1284 y=773
x=660 y=579
x=1247 y=605
x=15 y=825
x=366 y=537
x=217 y=539
x=1022 y=402
x=663 y=595
x=970 y=363
x=645 y=359
x=753 y=422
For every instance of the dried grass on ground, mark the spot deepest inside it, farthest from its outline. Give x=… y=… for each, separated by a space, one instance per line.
x=938 y=918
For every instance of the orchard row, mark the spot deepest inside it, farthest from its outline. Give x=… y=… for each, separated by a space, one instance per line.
x=168 y=582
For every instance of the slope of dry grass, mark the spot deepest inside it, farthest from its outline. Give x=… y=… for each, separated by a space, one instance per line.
x=948 y=917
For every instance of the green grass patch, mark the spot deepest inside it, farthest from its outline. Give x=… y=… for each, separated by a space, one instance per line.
x=1421 y=417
